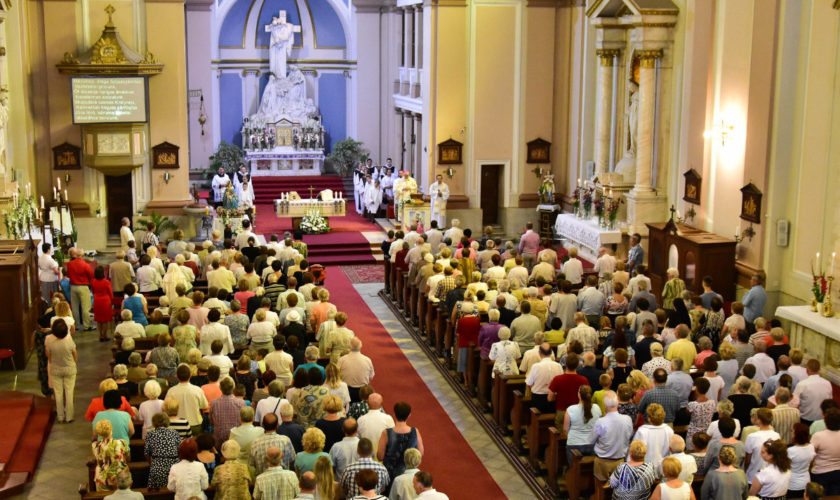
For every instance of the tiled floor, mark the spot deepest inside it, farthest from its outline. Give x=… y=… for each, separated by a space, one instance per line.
x=63 y=469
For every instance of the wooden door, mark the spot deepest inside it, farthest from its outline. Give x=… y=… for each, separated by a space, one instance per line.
x=118 y=196
x=491 y=176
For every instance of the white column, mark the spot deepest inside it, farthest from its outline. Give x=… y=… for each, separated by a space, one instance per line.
x=647 y=107
x=418 y=36
x=603 y=114
x=406 y=154
x=422 y=179
x=405 y=79
x=250 y=91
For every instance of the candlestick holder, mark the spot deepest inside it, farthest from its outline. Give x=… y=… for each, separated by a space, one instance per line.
x=827 y=310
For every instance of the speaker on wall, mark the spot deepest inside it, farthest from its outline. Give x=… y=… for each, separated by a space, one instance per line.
x=782 y=232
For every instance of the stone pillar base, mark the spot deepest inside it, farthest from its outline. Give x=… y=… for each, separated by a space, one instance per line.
x=642 y=207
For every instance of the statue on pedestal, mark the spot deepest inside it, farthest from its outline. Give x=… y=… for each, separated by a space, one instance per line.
x=627 y=165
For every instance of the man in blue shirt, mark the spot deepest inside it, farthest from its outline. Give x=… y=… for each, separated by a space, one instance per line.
x=611 y=437
x=755 y=299
x=636 y=256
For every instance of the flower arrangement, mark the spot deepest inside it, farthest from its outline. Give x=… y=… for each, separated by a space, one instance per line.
x=612 y=209
x=576 y=203
x=599 y=204
x=819 y=284
x=20 y=217
x=588 y=195
x=314 y=223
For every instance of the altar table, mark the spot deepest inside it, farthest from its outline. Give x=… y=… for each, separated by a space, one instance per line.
x=298 y=208
x=585 y=232
x=816 y=335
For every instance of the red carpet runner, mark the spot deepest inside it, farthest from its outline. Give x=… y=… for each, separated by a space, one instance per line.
x=455 y=467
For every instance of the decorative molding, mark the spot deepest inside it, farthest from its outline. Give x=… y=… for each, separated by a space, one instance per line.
x=648 y=58
x=290 y=61
x=529 y=200
x=607 y=56
x=445 y=3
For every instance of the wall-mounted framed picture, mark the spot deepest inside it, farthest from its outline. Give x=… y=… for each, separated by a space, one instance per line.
x=67 y=157
x=693 y=183
x=165 y=155
x=449 y=152
x=539 y=151
x=751 y=203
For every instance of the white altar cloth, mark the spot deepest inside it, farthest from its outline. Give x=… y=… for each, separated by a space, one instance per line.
x=585 y=232
x=816 y=335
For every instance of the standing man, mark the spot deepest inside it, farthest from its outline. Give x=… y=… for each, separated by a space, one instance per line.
x=126 y=234
x=220 y=184
x=754 y=300
x=528 y=246
x=48 y=272
x=605 y=263
x=372 y=198
x=636 y=256
x=81 y=276
x=404 y=187
x=359 y=187
x=438 y=194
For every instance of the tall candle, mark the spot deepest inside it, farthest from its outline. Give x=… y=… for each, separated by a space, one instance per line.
x=833 y=254
x=65 y=195
x=819 y=264
x=42 y=202
x=58 y=180
x=579 y=183
x=55 y=193
x=28 y=189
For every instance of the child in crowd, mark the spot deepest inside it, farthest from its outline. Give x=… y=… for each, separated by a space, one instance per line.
x=598 y=396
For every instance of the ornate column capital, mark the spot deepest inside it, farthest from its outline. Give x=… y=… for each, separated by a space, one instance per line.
x=607 y=56
x=648 y=58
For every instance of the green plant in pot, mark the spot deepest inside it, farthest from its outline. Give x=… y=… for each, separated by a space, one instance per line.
x=345 y=154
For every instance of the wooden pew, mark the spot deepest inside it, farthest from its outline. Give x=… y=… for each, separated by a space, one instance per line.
x=485 y=382
x=507 y=385
x=579 y=475
x=398 y=289
x=431 y=321
x=555 y=458
x=421 y=302
x=440 y=331
x=393 y=281
x=448 y=343
x=413 y=297
x=602 y=490
x=405 y=293
x=387 y=263
x=473 y=361
x=538 y=435
x=518 y=415
x=139 y=472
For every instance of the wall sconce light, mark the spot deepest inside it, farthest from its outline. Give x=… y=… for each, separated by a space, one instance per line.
x=166 y=177
x=722 y=130
x=67 y=178
x=748 y=233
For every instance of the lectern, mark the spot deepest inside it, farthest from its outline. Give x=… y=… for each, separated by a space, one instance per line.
x=695 y=253
x=20 y=296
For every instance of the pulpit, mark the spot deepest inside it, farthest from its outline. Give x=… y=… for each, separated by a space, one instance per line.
x=695 y=253
x=21 y=296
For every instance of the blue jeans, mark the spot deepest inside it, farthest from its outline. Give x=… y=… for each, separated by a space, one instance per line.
x=584 y=449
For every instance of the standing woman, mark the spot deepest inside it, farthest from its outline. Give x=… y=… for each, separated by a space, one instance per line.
x=393 y=442
x=773 y=479
x=102 y=294
x=188 y=478
x=136 y=303
x=326 y=487
x=579 y=422
x=62 y=358
x=161 y=449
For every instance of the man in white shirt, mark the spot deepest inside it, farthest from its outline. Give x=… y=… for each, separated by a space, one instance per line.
x=191 y=399
x=573 y=268
x=532 y=356
x=402 y=487
x=242 y=238
x=633 y=284
x=434 y=236
x=215 y=331
x=372 y=423
x=454 y=233
x=752 y=446
x=605 y=263
x=356 y=369
x=764 y=365
x=49 y=273
x=542 y=373
x=423 y=487
x=519 y=273
x=126 y=234
x=563 y=305
x=812 y=392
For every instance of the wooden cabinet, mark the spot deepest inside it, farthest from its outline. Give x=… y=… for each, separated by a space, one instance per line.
x=696 y=253
x=20 y=297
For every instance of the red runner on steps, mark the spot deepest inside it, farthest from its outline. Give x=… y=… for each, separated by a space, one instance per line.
x=456 y=469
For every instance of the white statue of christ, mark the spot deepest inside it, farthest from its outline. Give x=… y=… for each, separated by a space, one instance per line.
x=280 y=47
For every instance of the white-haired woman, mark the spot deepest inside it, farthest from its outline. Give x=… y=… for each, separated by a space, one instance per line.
x=173 y=277
x=151 y=406
x=673 y=288
x=129 y=328
x=505 y=353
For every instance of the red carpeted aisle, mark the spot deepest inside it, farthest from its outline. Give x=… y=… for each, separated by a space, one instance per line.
x=455 y=467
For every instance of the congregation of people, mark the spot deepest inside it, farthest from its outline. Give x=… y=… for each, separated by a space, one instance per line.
x=233 y=375
x=659 y=386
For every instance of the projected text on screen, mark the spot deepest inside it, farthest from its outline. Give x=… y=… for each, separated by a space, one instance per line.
x=109 y=100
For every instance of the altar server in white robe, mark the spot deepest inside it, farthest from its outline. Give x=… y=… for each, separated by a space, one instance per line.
x=373 y=198
x=246 y=195
x=438 y=194
x=219 y=184
x=238 y=180
x=387 y=184
x=359 y=187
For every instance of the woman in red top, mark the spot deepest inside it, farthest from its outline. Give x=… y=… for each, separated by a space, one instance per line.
x=243 y=295
x=97 y=404
x=466 y=329
x=102 y=295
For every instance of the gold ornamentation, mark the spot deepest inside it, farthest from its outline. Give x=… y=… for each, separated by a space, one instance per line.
x=69 y=58
x=647 y=58
x=149 y=58
x=607 y=56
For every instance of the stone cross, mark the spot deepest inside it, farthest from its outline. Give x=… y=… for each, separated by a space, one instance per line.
x=280 y=47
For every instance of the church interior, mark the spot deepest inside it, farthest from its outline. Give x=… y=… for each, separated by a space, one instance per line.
x=684 y=144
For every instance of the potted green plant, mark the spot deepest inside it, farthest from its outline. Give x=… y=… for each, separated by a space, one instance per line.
x=345 y=154
x=227 y=156
x=162 y=223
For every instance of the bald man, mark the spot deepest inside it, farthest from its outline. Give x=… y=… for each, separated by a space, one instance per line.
x=374 y=421
x=276 y=482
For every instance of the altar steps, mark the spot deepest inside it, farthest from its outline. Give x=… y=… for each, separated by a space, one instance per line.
x=268 y=189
